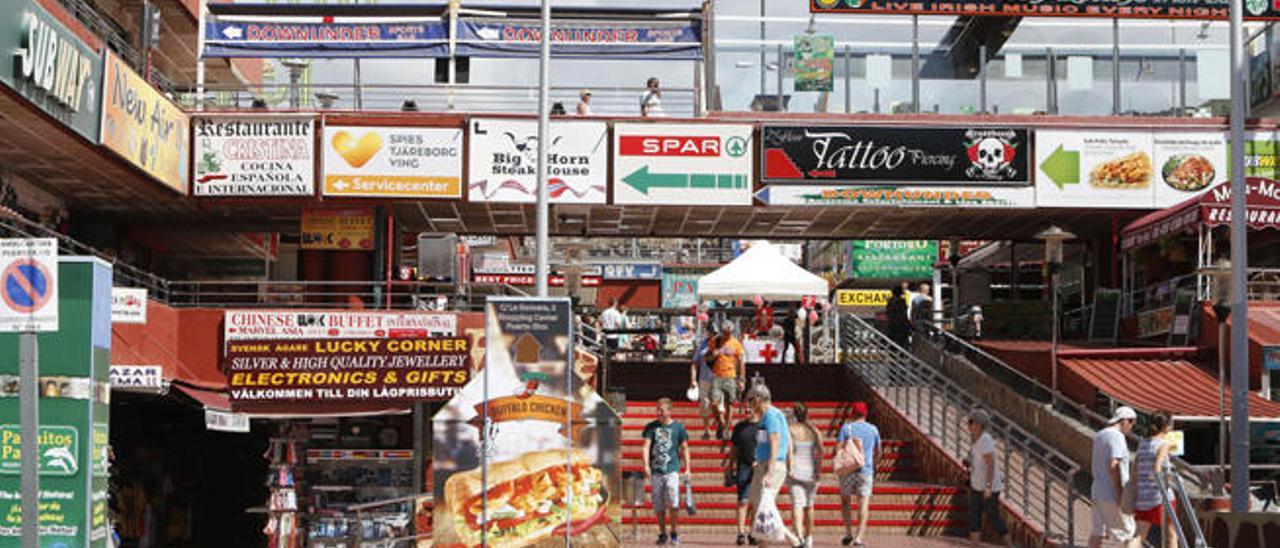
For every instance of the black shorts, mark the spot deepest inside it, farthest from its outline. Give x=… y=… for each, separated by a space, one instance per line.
x=744 y=483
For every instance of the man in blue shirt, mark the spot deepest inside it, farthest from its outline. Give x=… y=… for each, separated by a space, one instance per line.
x=859 y=484
x=772 y=441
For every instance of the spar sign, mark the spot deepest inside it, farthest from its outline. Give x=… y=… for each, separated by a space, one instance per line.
x=29 y=298
x=682 y=164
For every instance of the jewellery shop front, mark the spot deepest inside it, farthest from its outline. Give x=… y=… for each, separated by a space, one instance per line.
x=347 y=399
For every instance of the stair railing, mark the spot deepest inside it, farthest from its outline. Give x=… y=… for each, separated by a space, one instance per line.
x=1163 y=478
x=1032 y=389
x=1039 y=480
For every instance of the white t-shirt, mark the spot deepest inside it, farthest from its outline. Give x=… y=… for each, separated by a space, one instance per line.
x=1108 y=444
x=654 y=103
x=982 y=447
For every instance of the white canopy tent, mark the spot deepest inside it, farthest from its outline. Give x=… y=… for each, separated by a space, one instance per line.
x=762 y=270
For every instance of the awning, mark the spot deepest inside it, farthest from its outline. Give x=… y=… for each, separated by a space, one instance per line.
x=1147 y=385
x=209 y=399
x=1213 y=208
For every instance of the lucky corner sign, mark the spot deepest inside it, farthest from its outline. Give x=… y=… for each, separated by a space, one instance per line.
x=254 y=156
x=682 y=164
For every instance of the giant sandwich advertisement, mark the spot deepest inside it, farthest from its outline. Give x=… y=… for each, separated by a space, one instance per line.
x=527 y=454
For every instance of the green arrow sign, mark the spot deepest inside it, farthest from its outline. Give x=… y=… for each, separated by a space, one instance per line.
x=1062 y=167
x=642 y=180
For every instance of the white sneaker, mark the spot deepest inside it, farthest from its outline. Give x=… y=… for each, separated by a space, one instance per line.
x=808 y=542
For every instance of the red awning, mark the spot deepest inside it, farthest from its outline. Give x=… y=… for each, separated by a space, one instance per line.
x=210 y=399
x=1151 y=384
x=1213 y=208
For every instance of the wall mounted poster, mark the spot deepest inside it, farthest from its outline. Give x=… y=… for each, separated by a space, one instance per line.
x=392 y=162
x=527 y=454
x=254 y=156
x=503 y=161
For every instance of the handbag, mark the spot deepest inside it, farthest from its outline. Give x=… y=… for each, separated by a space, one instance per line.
x=849 y=457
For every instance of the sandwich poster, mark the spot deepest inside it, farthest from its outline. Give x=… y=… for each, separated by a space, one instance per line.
x=527 y=454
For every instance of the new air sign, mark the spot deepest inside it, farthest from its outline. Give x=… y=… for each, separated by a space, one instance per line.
x=682 y=164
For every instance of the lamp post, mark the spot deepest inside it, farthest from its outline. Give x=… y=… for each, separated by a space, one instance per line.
x=1054 y=237
x=1219 y=275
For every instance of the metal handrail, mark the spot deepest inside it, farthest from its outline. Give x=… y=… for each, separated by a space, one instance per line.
x=1184 y=501
x=900 y=377
x=1031 y=388
x=360 y=510
x=123 y=274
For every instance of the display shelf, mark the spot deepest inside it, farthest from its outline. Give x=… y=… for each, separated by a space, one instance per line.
x=330 y=455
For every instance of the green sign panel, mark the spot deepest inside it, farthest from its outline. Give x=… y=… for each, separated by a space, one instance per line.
x=815 y=62
x=50 y=66
x=892 y=259
x=74 y=413
x=59 y=446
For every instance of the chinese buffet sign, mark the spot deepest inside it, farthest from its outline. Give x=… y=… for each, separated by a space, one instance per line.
x=1150 y=9
x=284 y=359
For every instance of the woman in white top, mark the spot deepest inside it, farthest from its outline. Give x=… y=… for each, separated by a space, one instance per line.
x=985 y=480
x=1153 y=459
x=805 y=453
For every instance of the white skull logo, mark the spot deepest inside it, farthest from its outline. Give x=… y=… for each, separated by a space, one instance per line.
x=991 y=155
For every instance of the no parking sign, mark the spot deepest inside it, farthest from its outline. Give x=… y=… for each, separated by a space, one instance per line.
x=28 y=285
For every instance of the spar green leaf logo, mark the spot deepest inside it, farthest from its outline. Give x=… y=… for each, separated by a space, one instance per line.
x=736 y=146
x=1256 y=7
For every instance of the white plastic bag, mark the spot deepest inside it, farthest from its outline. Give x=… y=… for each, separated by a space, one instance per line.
x=692 y=393
x=768 y=525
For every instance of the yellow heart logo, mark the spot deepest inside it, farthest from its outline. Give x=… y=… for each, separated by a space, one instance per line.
x=357 y=153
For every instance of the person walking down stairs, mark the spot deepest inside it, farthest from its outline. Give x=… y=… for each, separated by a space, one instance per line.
x=985 y=480
x=742 y=456
x=806 y=470
x=772 y=446
x=666 y=456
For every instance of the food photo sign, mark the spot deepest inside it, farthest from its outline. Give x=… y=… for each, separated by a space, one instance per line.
x=527 y=454
x=1126 y=169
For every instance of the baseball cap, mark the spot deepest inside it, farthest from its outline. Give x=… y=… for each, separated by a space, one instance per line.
x=1123 y=413
x=584 y=91
x=859 y=409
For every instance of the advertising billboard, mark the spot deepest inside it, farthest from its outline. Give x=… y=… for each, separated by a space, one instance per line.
x=392 y=162
x=503 y=161
x=254 y=156
x=682 y=164
x=143 y=126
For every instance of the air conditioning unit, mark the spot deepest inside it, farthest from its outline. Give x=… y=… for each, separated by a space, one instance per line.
x=437 y=256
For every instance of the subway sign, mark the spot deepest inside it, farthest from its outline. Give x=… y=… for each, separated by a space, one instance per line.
x=51 y=67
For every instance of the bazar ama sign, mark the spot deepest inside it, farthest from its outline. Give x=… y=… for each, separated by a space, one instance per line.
x=1149 y=9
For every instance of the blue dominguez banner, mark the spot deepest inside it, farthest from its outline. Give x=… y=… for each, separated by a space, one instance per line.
x=422 y=30
x=324 y=36
x=488 y=37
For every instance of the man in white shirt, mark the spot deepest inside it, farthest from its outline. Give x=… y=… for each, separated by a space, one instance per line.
x=986 y=479
x=1110 y=466
x=584 y=103
x=611 y=319
x=651 y=101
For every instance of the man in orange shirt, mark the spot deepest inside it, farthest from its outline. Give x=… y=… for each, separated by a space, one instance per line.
x=729 y=377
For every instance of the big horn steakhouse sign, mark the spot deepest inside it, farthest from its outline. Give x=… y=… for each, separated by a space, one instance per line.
x=1148 y=9
x=845 y=154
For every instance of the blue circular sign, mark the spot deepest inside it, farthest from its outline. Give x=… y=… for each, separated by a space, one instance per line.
x=26 y=286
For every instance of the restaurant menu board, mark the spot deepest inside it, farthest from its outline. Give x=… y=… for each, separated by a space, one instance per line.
x=527 y=454
x=1126 y=169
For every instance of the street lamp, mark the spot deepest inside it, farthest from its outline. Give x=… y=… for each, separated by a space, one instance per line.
x=1053 y=238
x=1219 y=278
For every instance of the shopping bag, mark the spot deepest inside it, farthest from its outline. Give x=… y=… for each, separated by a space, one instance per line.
x=767 y=525
x=689 y=504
